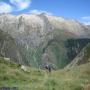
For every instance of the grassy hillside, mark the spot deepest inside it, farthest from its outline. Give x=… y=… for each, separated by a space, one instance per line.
x=11 y=75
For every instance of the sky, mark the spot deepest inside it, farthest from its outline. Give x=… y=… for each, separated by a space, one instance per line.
x=73 y=9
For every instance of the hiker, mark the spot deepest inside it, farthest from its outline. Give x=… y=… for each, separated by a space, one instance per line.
x=48 y=67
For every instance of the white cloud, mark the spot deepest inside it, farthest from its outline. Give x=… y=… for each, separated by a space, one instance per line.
x=86 y=20
x=86 y=23
x=16 y=5
x=39 y=12
x=5 y=8
x=20 y=4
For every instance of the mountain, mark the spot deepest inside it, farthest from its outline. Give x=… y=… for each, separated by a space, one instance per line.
x=88 y=26
x=44 y=39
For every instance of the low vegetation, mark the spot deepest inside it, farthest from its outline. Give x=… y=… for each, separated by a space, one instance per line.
x=11 y=75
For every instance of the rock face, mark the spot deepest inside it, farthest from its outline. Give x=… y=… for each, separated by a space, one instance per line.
x=37 y=35
x=8 y=48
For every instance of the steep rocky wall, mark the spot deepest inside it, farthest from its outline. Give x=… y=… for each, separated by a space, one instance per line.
x=8 y=48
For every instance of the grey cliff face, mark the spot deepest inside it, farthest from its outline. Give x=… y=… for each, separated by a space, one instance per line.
x=8 y=48
x=34 y=28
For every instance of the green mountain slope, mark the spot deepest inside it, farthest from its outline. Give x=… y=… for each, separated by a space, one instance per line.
x=58 y=51
x=82 y=58
x=11 y=75
x=59 y=48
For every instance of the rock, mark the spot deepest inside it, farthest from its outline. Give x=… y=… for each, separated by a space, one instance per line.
x=24 y=68
x=8 y=59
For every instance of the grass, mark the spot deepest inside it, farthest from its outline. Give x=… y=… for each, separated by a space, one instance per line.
x=11 y=75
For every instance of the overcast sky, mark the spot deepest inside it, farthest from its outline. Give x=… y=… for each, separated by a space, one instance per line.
x=74 y=9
